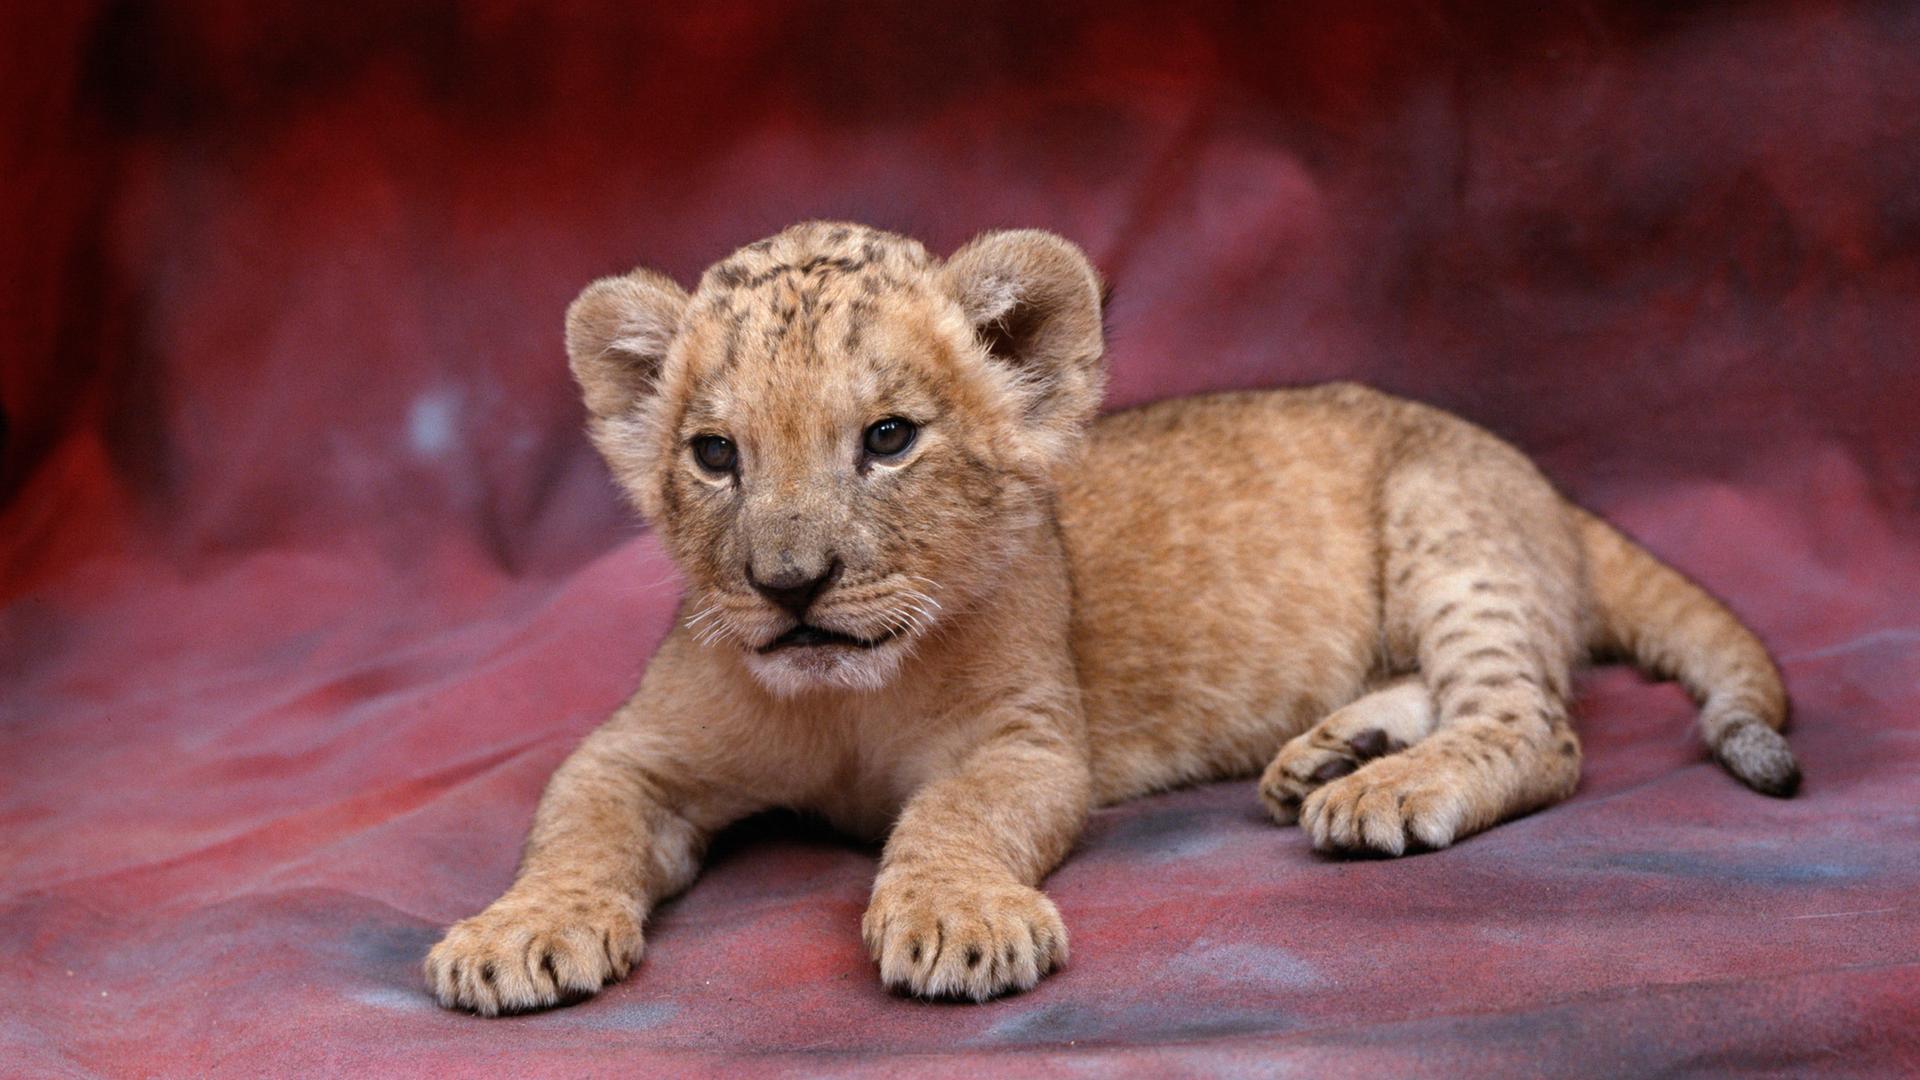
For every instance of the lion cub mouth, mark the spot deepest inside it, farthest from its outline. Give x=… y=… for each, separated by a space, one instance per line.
x=804 y=635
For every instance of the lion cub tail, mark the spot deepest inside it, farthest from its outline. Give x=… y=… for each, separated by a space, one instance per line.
x=1670 y=627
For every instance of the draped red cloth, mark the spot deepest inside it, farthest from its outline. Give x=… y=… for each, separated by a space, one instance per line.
x=309 y=577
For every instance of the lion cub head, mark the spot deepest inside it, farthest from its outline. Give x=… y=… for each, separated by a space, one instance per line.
x=840 y=438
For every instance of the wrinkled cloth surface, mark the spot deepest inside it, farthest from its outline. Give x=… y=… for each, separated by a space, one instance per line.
x=310 y=578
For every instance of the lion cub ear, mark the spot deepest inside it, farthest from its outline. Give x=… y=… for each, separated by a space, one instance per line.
x=618 y=332
x=1034 y=302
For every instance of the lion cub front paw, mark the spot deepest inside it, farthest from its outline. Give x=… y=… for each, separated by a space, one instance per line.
x=533 y=951
x=946 y=938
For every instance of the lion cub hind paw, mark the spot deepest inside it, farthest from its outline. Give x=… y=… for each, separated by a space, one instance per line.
x=955 y=940
x=1305 y=764
x=1390 y=807
x=1379 y=724
x=525 y=954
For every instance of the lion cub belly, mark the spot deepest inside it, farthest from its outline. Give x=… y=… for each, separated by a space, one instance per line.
x=1226 y=579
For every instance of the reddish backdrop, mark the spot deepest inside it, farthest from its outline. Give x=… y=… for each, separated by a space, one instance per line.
x=309 y=577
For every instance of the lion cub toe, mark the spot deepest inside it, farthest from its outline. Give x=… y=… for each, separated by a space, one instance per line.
x=534 y=952
x=949 y=939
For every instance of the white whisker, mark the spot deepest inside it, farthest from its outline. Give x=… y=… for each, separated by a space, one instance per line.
x=718 y=629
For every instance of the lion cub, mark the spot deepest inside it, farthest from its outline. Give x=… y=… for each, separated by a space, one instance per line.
x=929 y=598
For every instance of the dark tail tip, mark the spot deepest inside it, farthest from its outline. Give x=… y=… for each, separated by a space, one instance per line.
x=1758 y=755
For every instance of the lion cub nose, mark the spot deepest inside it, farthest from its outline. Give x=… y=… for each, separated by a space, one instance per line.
x=794 y=588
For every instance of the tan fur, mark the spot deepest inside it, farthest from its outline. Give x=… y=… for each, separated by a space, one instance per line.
x=1380 y=604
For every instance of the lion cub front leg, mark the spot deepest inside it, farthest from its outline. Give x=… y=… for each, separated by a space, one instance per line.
x=609 y=839
x=954 y=911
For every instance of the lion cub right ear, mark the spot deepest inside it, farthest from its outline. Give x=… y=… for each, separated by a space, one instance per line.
x=618 y=333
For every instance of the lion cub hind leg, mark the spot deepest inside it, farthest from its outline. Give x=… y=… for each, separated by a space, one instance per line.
x=1484 y=583
x=1374 y=725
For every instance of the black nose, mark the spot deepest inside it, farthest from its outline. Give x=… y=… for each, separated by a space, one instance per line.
x=792 y=588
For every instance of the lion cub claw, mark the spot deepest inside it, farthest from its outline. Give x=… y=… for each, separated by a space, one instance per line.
x=950 y=939
x=533 y=952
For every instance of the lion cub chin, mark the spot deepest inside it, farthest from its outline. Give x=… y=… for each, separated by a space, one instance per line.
x=930 y=598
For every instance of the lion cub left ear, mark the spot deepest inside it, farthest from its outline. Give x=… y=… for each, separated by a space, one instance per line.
x=618 y=333
x=1034 y=302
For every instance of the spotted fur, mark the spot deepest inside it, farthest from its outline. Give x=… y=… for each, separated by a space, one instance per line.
x=1380 y=604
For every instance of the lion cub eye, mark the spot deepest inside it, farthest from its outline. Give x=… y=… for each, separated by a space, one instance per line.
x=891 y=436
x=715 y=454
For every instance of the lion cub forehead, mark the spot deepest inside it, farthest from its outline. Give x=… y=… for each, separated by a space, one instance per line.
x=822 y=250
x=817 y=289
x=822 y=310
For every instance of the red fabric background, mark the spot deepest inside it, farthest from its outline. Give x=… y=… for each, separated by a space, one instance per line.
x=309 y=577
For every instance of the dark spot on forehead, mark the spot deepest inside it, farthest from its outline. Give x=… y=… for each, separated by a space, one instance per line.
x=778 y=270
x=826 y=265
